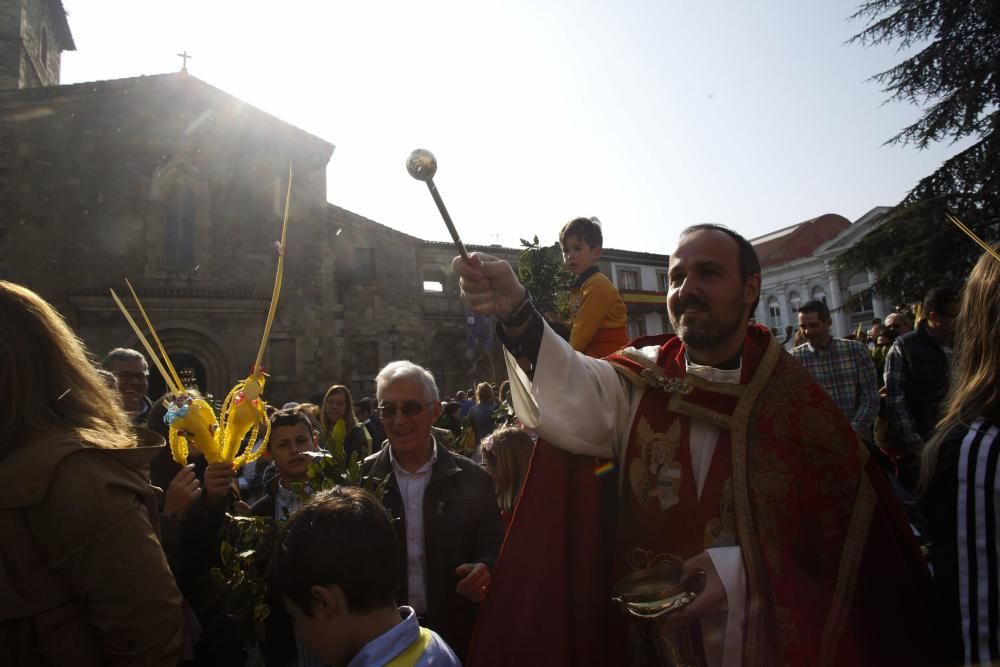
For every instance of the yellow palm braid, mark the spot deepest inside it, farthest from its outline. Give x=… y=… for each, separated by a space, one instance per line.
x=166 y=357
x=972 y=235
x=201 y=428
x=149 y=348
x=277 y=277
x=178 y=446
x=238 y=419
x=251 y=455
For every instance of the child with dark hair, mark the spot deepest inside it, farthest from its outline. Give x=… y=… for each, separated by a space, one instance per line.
x=335 y=570
x=597 y=312
x=291 y=436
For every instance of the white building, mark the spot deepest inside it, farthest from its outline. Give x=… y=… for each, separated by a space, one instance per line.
x=641 y=279
x=797 y=265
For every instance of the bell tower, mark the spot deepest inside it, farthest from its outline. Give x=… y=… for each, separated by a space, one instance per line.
x=33 y=35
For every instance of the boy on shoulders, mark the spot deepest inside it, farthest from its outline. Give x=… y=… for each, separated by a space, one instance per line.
x=597 y=312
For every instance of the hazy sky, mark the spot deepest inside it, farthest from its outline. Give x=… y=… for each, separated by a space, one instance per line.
x=649 y=115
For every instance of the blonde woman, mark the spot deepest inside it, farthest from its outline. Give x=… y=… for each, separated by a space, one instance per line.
x=340 y=426
x=506 y=455
x=84 y=580
x=960 y=484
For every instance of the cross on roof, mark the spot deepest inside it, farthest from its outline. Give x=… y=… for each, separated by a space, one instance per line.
x=185 y=57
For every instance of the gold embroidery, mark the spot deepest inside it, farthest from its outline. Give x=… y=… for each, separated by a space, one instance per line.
x=721 y=531
x=847 y=575
x=655 y=473
x=755 y=640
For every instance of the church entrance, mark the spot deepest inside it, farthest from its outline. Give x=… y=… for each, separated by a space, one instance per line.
x=188 y=366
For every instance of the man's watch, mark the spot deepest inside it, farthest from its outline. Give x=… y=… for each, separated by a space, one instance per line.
x=521 y=314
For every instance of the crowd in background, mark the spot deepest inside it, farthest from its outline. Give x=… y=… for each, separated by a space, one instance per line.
x=141 y=558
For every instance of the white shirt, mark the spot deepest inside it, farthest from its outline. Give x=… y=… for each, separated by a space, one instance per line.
x=412 y=486
x=582 y=405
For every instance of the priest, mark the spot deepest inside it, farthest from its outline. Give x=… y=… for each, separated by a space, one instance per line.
x=726 y=456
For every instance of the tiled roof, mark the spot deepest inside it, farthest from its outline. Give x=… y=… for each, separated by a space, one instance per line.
x=799 y=240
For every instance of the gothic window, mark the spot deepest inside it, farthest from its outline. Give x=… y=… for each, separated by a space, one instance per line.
x=364 y=265
x=179 y=228
x=819 y=295
x=45 y=47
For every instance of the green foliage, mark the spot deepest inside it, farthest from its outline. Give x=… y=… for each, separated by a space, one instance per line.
x=954 y=77
x=240 y=584
x=542 y=273
x=504 y=415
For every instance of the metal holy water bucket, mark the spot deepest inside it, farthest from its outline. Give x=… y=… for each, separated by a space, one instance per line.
x=648 y=596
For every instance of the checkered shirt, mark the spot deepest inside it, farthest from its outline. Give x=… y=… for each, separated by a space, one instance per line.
x=846 y=371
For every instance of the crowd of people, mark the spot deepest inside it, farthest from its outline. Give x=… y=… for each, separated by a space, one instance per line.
x=802 y=496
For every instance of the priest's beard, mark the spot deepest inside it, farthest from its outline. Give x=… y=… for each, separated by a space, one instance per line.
x=712 y=327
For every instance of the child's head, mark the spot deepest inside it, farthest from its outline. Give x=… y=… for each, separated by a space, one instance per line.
x=336 y=562
x=581 y=242
x=506 y=455
x=291 y=434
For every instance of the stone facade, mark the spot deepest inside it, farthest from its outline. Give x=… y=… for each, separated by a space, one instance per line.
x=180 y=188
x=108 y=181
x=33 y=35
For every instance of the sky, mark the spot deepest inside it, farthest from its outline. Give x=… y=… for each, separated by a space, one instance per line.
x=649 y=115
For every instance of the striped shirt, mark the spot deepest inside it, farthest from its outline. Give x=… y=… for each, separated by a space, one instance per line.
x=846 y=371
x=963 y=506
x=977 y=543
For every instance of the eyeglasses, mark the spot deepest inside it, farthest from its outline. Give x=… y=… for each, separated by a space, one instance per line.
x=125 y=375
x=408 y=408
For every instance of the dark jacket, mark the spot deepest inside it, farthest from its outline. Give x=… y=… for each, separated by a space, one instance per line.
x=461 y=525
x=84 y=580
x=927 y=375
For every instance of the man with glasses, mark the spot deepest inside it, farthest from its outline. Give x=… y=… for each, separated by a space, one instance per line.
x=898 y=324
x=444 y=506
x=132 y=376
x=916 y=379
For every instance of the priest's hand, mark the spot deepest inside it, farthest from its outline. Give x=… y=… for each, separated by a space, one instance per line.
x=711 y=600
x=489 y=285
x=475 y=581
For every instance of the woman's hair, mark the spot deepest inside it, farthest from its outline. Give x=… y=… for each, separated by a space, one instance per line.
x=314 y=412
x=484 y=393
x=974 y=371
x=508 y=452
x=350 y=421
x=48 y=380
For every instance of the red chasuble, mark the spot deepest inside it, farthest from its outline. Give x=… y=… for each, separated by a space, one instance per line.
x=834 y=576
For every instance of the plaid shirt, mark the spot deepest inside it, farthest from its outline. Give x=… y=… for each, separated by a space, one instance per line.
x=846 y=371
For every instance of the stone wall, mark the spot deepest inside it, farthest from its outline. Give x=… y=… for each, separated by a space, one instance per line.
x=93 y=165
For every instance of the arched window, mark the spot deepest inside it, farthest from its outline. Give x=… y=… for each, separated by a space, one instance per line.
x=861 y=308
x=794 y=301
x=178 y=226
x=774 y=313
x=45 y=47
x=818 y=294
